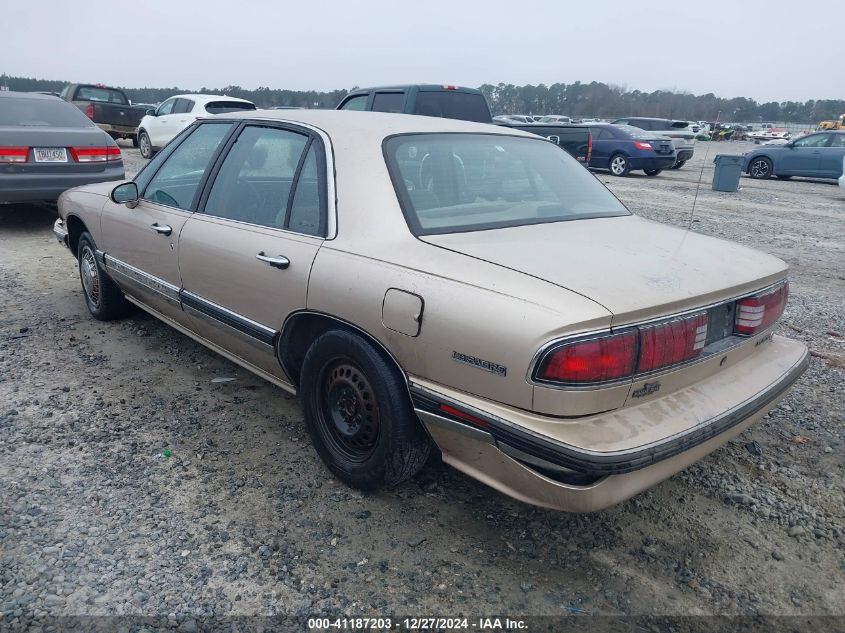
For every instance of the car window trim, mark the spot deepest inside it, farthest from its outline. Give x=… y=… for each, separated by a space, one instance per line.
x=322 y=176
x=192 y=208
x=294 y=185
x=348 y=98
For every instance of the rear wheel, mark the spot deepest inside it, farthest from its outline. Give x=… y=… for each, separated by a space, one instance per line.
x=619 y=165
x=144 y=145
x=358 y=413
x=679 y=164
x=760 y=168
x=652 y=172
x=104 y=299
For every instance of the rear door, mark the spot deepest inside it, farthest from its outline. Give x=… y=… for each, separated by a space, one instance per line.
x=803 y=157
x=830 y=162
x=141 y=244
x=245 y=258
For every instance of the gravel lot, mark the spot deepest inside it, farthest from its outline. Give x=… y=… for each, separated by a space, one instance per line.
x=130 y=483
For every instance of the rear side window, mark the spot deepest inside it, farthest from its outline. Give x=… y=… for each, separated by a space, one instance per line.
x=222 y=107
x=679 y=125
x=106 y=95
x=452 y=104
x=41 y=113
x=176 y=182
x=182 y=105
x=388 y=102
x=358 y=103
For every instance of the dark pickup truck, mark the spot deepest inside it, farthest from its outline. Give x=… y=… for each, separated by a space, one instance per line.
x=108 y=107
x=575 y=139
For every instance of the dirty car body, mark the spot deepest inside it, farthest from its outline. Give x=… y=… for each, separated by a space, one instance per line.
x=421 y=281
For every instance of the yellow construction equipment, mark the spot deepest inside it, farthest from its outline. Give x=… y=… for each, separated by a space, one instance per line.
x=833 y=125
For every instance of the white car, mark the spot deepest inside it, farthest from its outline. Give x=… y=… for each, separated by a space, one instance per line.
x=556 y=118
x=161 y=125
x=842 y=177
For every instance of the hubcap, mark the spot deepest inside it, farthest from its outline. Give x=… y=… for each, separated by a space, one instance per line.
x=145 y=144
x=90 y=276
x=759 y=168
x=349 y=411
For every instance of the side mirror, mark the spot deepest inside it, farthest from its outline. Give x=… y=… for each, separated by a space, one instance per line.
x=125 y=193
x=151 y=112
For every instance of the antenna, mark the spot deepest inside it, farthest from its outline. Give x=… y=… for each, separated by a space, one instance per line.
x=701 y=173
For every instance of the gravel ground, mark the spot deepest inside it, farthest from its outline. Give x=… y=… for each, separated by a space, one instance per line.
x=130 y=483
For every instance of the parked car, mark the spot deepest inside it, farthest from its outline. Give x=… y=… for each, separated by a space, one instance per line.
x=683 y=137
x=423 y=281
x=451 y=102
x=815 y=156
x=521 y=119
x=556 y=118
x=623 y=148
x=161 y=125
x=842 y=177
x=575 y=139
x=47 y=146
x=109 y=108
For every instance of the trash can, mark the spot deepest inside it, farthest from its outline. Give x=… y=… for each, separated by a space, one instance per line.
x=728 y=170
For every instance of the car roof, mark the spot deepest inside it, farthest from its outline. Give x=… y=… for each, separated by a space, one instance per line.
x=10 y=94
x=437 y=87
x=207 y=97
x=377 y=125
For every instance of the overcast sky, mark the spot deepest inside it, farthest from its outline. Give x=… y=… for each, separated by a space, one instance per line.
x=774 y=50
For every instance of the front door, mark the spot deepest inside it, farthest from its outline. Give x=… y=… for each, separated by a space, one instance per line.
x=142 y=243
x=830 y=161
x=802 y=157
x=246 y=256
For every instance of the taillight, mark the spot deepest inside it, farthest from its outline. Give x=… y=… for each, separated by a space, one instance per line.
x=755 y=314
x=89 y=111
x=451 y=87
x=671 y=342
x=592 y=360
x=95 y=154
x=641 y=145
x=13 y=154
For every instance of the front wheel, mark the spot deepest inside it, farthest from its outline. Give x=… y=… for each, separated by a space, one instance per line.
x=144 y=145
x=358 y=413
x=104 y=299
x=652 y=172
x=619 y=165
x=760 y=168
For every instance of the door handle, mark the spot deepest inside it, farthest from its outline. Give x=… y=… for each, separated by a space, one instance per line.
x=280 y=261
x=161 y=229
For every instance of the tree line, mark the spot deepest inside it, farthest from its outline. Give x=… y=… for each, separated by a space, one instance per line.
x=594 y=99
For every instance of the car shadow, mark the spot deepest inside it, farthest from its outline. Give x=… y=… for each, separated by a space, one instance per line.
x=27 y=217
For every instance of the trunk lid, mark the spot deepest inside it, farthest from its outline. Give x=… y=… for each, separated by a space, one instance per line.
x=635 y=268
x=54 y=137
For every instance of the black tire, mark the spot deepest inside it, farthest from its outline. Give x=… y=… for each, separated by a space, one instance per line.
x=104 y=299
x=760 y=168
x=358 y=413
x=145 y=145
x=134 y=141
x=652 y=172
x=679 y=164
x=619 y=165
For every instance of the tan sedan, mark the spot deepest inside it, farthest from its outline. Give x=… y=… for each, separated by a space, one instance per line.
x=426 y=282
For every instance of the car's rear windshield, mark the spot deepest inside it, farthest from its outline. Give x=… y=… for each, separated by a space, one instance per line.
x=222 y=107
x=451 y=183
x=106 y=95
x=41 y=113
x=635 y=132
x=453 y=105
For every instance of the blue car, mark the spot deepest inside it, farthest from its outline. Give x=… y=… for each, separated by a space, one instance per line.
x=817 y=155
x=623 y=148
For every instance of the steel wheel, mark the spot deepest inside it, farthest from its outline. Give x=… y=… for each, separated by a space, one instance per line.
x=619 y=165
x=349 y=412
x=90 y=275
x=760 y=168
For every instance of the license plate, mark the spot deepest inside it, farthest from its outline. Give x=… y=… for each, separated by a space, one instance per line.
x=50 y=155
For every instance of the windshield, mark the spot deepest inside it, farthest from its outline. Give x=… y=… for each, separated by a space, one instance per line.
x=450 y=183
x=42 y=113
x=635 y=132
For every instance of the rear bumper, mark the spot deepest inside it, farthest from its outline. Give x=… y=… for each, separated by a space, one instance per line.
x=547 y=472
x=40 y=187
x=652 y=162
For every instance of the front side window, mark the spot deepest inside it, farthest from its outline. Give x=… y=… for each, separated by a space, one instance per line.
x=838 y=140
x=176 y=182
x=814 y=140
x=358 y=103
x=388 y=102
x=257 y=182
x=449 y=183
x=166 y=107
